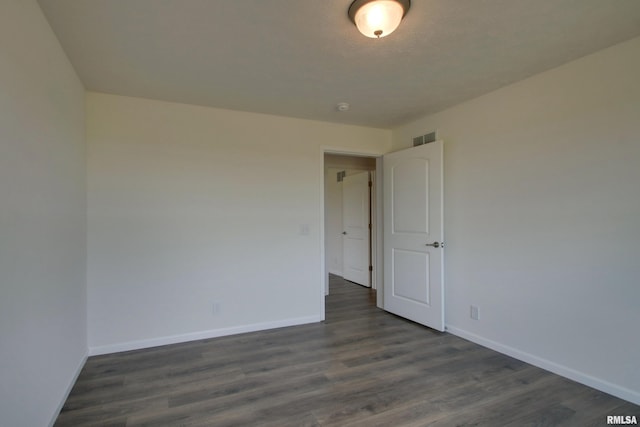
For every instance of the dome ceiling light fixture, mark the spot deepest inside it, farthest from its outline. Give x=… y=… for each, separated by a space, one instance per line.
x=378 y=18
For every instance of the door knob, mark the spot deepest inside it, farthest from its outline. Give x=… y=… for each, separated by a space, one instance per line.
x=434 y=244
x=344 y=232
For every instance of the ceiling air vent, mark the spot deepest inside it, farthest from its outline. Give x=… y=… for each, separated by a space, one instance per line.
x=425 y=139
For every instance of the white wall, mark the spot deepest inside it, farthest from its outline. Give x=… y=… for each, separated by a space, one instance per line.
x=43 y=337
x=543 y=217
x=191 y=206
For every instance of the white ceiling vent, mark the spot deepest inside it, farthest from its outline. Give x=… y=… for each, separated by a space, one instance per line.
x=426 y=138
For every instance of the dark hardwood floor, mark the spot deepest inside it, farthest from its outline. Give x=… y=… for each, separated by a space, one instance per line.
x=361 y=367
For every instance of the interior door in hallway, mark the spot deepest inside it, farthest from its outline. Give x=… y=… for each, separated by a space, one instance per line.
x=413 y=234
x=355 y=234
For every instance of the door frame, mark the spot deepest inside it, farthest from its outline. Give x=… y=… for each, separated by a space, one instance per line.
x=376 y=235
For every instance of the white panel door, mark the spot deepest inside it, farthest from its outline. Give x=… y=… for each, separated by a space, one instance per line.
x=413 y=234
x=355 y=235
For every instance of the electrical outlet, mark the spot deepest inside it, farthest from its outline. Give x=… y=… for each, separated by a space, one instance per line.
x=474 y=312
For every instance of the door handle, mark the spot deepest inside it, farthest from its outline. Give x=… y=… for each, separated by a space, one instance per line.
x=435 y=244
x=344 y=232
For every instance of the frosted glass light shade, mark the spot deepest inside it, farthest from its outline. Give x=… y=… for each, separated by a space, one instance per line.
x=379 y=18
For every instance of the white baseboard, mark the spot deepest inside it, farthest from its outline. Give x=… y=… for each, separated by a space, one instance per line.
x=68 y=390
x=586 y=379
x=193 y=336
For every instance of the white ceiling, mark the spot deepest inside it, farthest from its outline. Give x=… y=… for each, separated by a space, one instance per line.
x=300 y=58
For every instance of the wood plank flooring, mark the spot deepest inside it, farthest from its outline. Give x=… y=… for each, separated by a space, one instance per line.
x=361 y=367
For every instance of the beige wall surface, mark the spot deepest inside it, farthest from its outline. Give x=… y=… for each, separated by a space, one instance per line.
x=43 y=335
x=203 y=222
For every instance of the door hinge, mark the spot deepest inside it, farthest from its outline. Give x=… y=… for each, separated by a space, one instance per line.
x=370 y=183
x=371 y=268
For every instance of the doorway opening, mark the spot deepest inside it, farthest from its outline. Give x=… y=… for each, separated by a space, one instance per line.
x=352 y=218
x=408 y=273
